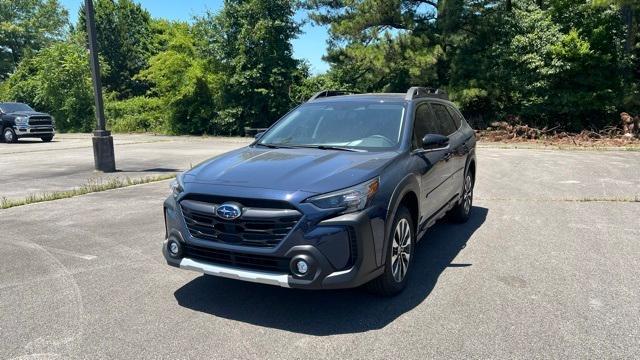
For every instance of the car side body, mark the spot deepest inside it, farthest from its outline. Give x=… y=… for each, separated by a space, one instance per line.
x=281 y=230
x=18 y=121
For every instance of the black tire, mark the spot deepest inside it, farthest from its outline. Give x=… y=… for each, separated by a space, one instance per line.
x=47 y=138
x=9 y=136
x=462 y=211
x=388 y=284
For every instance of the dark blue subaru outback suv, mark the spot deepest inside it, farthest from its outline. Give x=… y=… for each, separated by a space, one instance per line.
x=335 y=194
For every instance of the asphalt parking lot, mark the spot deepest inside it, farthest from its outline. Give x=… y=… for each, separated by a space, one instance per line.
x=32 y=166
x=547 y=267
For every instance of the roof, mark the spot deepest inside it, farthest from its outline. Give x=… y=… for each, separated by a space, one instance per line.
x=365 y=97
x=390 y=97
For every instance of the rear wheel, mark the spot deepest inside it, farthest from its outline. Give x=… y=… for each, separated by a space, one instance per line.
x=399 y=256
x=47 y=138
x=9 y=136
x=462 y=211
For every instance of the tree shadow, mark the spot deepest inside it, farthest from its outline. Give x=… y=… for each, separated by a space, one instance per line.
x=337 y=311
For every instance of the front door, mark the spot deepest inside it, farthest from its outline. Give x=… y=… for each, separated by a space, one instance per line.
x=432 y=165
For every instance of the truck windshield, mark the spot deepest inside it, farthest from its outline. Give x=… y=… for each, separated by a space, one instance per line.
x=350 y=125
x=8 y=108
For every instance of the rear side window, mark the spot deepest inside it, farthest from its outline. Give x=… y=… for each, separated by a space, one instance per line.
x=445 y=122
x=457 y=117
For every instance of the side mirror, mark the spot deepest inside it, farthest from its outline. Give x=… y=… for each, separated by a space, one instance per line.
x=259 y=135
x=435 y=142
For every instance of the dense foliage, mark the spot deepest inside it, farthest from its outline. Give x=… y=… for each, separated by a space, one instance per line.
x=546 y=62
x=56 y=80
x=568 y=63
x=27 y=26
x=125 y=42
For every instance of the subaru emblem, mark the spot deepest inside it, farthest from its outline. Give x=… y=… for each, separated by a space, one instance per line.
x=228 y=211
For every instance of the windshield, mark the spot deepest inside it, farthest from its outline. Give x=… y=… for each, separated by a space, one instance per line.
x=358 y=125
x=8 y=108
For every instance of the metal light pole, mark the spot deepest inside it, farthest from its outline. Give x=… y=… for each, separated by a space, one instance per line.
x=103 y=155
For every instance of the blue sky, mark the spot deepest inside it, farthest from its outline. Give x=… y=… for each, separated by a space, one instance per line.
x=310 y=45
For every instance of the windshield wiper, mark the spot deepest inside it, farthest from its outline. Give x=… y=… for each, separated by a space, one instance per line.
x=275 y=146
x=321 y=147
x=329 y=147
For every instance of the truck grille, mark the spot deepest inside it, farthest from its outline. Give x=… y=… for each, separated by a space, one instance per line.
x=37 y=121
x=257 y=227
x=223 y=257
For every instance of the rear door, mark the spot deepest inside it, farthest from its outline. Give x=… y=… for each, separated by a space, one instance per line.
x=453 y=158
x=463 y=142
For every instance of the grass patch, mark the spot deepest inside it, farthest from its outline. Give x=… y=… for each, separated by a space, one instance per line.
x=92 y=186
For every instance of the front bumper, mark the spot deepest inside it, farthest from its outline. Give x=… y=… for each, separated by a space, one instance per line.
x=34 y=130
x=340 y=251
x=256 y=276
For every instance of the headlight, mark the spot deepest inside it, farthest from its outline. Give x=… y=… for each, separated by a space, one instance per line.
x=177 y=185
x=352 y=199
x=53 y=121
x=21 y=120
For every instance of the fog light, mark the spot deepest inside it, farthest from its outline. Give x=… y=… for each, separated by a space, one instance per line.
x=174 y=248
x=302 y=267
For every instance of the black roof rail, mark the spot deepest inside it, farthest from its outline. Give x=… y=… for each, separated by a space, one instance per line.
x=328 y=93
x=416 y=92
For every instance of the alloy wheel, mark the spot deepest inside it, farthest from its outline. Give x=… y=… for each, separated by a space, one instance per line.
x=468 y=194
x=401 y=250
x=8 y=136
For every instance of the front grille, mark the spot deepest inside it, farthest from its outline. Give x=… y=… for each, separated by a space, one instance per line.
x=257 y=227
x=36 y=121
x=223 y=257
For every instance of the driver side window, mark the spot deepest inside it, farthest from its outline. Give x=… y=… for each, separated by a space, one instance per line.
x=424 y=124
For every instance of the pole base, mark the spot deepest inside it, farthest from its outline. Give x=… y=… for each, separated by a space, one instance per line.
x=103 y=155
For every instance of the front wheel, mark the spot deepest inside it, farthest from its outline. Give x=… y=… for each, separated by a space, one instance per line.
x=399 y=256
x=9 y=136
x=47 y=138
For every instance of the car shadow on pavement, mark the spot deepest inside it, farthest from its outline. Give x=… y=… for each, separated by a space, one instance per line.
x=333 y=311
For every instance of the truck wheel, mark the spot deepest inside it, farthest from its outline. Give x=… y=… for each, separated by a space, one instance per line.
x=9 y=136
x=399 y=256
x=461 y=212
x=47 y=138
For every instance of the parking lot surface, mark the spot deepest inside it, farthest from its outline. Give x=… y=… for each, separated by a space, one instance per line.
x=32 y=166
x=547 y=267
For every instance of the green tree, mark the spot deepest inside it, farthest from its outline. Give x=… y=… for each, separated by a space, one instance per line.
x=248 y=44
x=56 y=80
x=180 y=79
x=548 y=63
x=630 y=13
x=386 y=45
x=125 y=43
x=27 y=26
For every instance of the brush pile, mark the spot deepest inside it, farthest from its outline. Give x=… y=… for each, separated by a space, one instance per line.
x=510 y=132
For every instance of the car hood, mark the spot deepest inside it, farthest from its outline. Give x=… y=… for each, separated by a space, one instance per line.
x=309 y=170
x=28 y=113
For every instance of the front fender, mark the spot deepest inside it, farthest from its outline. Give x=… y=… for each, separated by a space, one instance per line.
x=408 y=184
